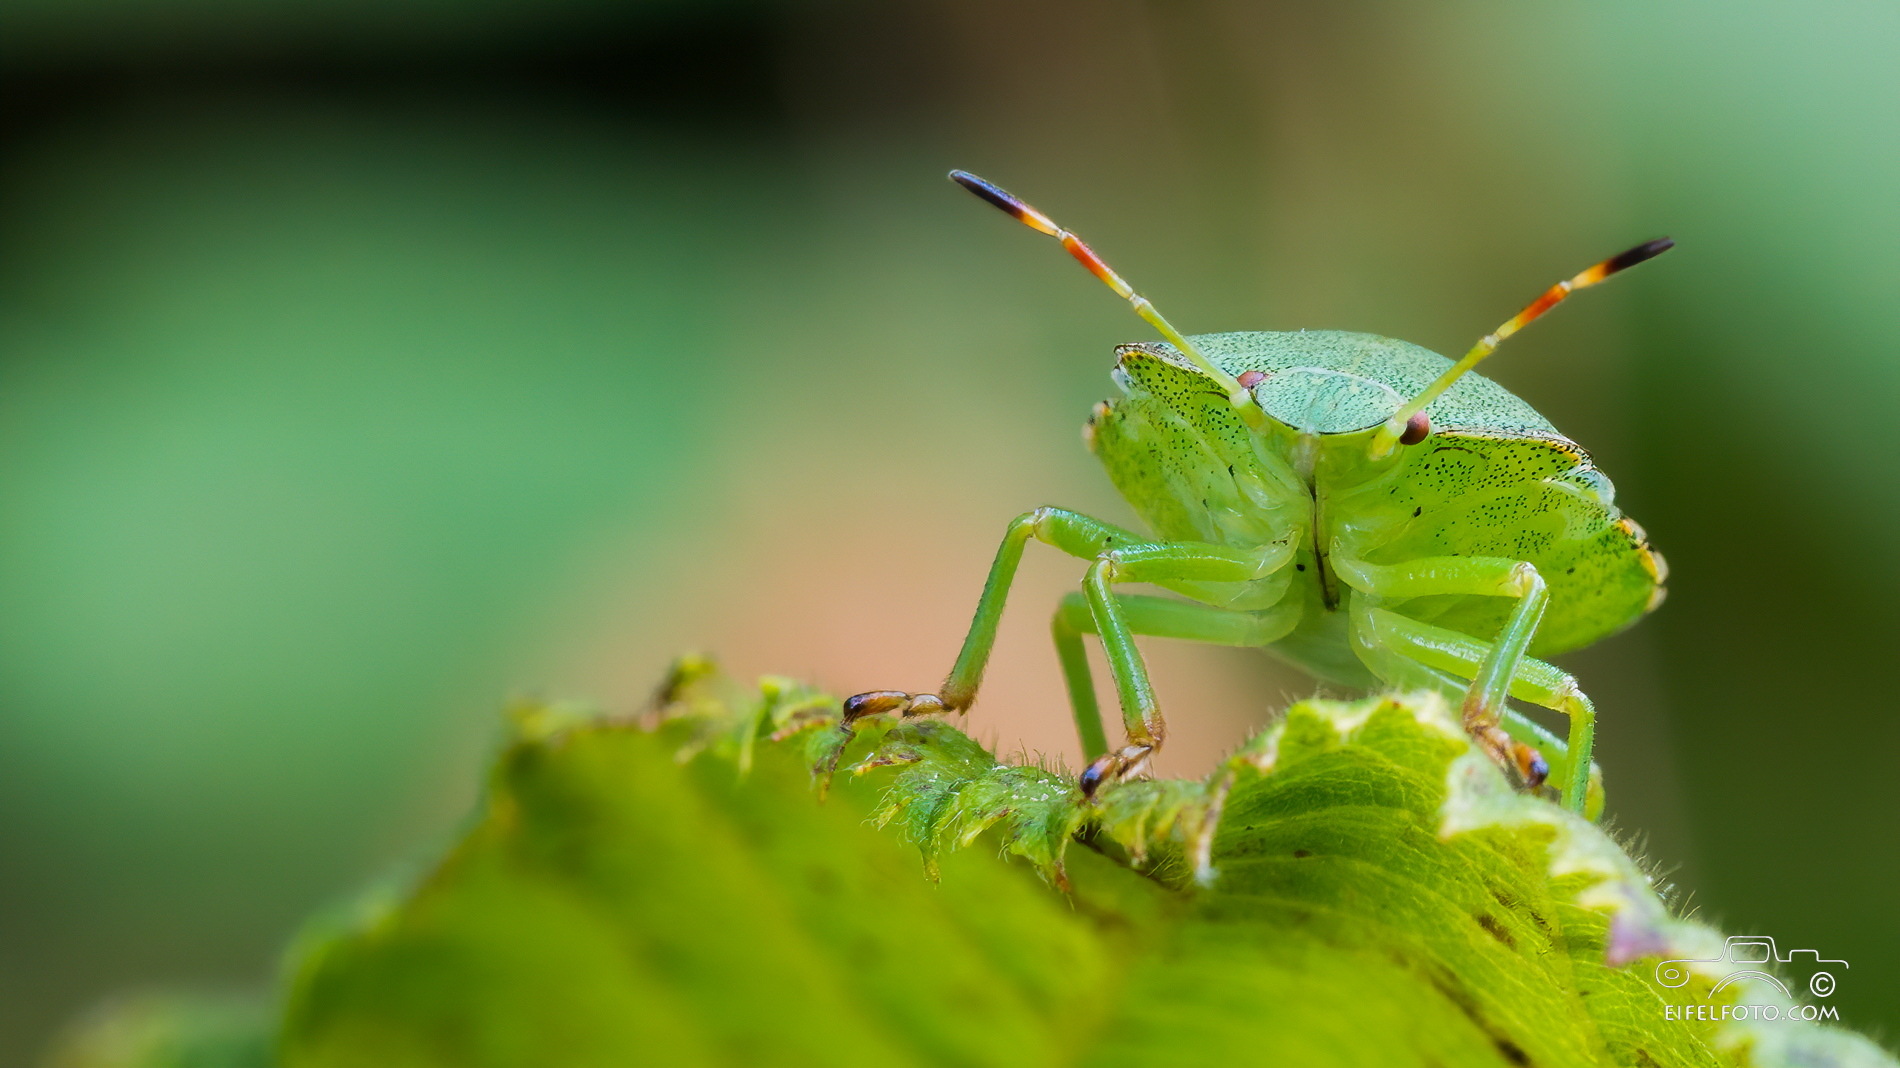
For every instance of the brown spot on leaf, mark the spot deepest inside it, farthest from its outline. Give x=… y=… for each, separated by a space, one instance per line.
x=1496 y=930
x=1510 y=1050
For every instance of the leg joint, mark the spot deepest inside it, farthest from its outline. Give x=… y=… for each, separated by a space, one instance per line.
x=1525 y=578
x=1032 y=523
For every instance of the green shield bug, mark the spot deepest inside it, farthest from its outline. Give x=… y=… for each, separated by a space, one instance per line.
x=1365 y=508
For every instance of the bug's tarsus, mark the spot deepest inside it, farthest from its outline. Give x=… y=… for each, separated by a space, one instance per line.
x=903 y=703
x=1396 y=426
x=1536 y=769
x=1092 y=776
x=1016 y=208
x=1529 y=763
x=1128 y=762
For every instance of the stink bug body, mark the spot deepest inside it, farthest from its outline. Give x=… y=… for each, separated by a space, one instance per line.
x=1363 y=507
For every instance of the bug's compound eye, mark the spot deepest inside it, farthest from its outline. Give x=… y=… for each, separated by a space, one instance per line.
x=1250 y=379
x=1416 y=429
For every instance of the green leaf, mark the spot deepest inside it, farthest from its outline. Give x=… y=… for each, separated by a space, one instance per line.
x=1356 y=886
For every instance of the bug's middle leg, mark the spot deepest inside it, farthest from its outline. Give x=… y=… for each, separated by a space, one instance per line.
x=1159 y=617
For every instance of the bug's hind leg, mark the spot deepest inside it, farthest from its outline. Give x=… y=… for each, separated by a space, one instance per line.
x=1159 y=617
x=1071 y=621
x=1454 y=658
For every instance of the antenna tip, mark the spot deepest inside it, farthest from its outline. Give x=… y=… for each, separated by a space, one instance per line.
x=988 y=192
x=1645 y=251
x=1005 y=202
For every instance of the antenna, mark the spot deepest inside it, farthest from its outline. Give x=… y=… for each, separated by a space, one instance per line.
x=1035 y=220
x=1395 y=428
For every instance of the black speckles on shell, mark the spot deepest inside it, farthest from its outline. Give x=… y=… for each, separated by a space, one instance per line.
x=1178 y=452
x=1523 y=499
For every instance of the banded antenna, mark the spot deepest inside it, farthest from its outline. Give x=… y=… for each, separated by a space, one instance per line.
x=1035 y=220
x=1396 y=427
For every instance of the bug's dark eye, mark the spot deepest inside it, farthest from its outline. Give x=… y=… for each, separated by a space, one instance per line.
x=1250 y=379
x=1416 y=428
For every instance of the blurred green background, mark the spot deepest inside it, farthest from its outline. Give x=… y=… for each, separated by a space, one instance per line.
x=361 y=365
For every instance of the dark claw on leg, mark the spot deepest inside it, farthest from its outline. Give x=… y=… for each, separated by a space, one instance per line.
x=858 y=706
x=1130 y=762
x=1531 y=765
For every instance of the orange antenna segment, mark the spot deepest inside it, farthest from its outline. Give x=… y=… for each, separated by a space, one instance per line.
x=1035 y=220
x=1389 y=434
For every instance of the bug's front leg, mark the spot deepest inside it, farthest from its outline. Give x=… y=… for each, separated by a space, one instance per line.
x=1072 y=532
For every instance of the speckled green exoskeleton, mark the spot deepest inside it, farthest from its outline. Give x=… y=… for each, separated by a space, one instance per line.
x=1363 y=507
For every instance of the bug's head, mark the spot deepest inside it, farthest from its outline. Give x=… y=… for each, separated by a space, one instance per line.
x=1321 y=400
x=1312 y=383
